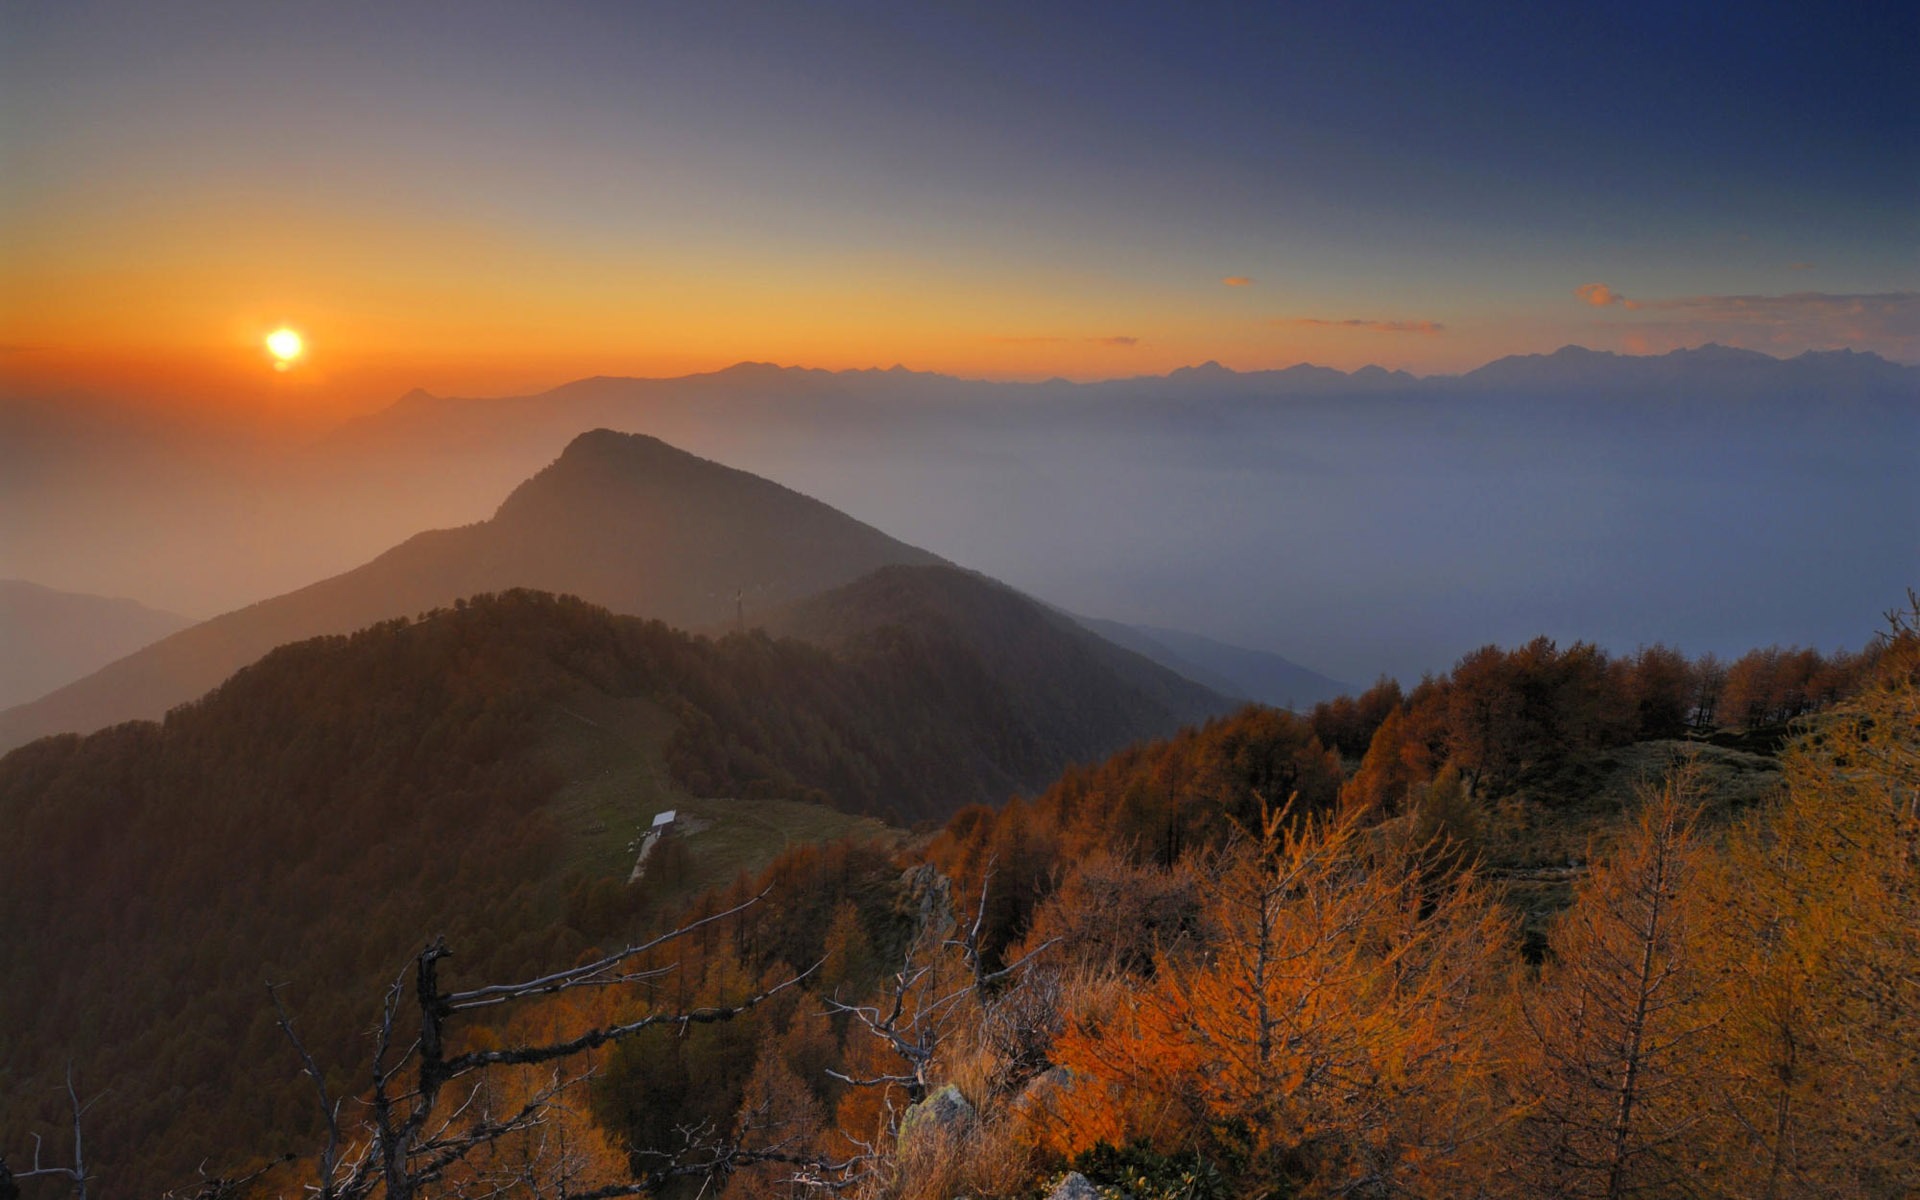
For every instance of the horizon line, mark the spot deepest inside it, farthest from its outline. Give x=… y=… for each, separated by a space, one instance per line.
x=1210 y=366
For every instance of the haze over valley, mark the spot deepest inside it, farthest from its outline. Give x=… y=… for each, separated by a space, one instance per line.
x=1358 y=524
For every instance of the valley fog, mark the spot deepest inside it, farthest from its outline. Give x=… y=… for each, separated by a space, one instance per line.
x=1354 y=529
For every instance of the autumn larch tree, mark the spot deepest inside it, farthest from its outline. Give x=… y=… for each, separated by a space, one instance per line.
x=1320 y=1036
x=1816 y=914
x=1610 y=1038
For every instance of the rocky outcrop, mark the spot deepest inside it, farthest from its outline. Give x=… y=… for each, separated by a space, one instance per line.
x=942 y=1116
x=1074 y=1187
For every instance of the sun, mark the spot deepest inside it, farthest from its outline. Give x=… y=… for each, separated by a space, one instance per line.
x=284 y=344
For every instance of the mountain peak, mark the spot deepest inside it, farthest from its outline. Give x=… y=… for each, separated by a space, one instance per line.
x=621 y=520
x=1715 y=352
x=750 y=369
x=603 y=473
x=1210 y=369
x=605 y=456
x=605 y=442
x=628 y=521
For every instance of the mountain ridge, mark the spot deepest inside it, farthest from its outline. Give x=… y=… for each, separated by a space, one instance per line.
x=50 y=637
x=1023 y=645
x=634 y=525
x=1210 y=371
x=692 y=540
x=1229 y=472
x=466 y=772
x=1239 y=671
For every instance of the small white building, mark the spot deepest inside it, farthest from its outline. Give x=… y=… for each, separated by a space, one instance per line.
x=662 y=825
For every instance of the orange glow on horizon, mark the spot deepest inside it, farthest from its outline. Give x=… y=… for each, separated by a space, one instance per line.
x=363 y=372
x=180 y=318
x=177 y=301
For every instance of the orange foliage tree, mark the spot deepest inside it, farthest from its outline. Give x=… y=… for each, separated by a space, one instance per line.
x=1817 y=927
x=1320 y=1035
x=1609 y=1040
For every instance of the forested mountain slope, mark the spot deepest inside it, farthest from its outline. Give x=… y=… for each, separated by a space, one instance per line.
x=326 y=808
x=464 y=775
x=1075 y=688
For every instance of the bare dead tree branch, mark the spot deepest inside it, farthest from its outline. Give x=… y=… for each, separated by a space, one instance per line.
x=76 y=1173
x=430 y=1108
x=915 y=1016
x=598 y=971
x=329 y=1159
x=219 y=1187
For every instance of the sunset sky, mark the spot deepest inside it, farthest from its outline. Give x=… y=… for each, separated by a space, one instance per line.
x=483 y=197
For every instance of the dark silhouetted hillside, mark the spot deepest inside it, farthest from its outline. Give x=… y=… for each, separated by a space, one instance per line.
x=319 y=813
x=1064 y=687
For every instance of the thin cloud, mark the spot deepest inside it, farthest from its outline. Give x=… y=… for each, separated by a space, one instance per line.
x=1238 y=281
x=1799 y=305
x=1119 y=341
x=1601 y=296
x=1800 y=266
x=1362 y=323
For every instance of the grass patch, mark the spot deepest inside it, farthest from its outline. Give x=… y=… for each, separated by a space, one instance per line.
x=1561 y=817
x=1541 y=838
x=726 y=837
x=610 y=752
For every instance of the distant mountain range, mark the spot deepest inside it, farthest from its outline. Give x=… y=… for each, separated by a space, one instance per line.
x=633 y=524
x=1229 y=670
x=899 y=394
x=746 y=404
x=49 y=638
x=1709 y=371
x=1387 y=521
